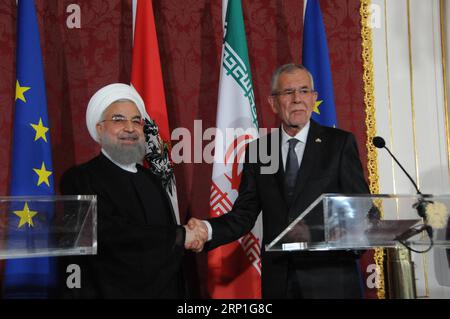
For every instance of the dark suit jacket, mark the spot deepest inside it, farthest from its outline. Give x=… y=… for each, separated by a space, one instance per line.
x=330 y=164
x=140 y=247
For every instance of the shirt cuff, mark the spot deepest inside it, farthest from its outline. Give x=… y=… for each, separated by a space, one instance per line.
x=208 y=225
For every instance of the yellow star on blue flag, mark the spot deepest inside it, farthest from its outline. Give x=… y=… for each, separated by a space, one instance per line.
x=40 y=130
x=43 y=175
x=316 y=106
x=26 y=216
x=20 y=90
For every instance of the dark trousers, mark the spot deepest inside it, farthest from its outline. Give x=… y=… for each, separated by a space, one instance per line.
x=323 y=277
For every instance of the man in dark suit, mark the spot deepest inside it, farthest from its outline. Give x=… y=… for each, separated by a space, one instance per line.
x=313 y=160
x=140 y=245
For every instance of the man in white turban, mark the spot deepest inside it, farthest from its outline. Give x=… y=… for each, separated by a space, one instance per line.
x=140 y=245
x=119 y=133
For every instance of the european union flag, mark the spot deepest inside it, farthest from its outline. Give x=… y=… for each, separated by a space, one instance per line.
x=32 y=170
x=316 y=60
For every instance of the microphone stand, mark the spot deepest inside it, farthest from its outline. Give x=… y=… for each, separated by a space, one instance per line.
x=420 y=206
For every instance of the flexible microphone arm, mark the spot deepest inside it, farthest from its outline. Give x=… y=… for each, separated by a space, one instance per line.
x=379 y=142
x=410 y=178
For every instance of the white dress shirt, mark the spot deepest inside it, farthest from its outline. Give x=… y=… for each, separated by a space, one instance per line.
x=299 y=148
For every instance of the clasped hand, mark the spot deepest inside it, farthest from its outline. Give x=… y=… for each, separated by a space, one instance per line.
x=196 y=235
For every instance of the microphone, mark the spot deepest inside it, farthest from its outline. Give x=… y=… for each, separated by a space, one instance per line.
x=379 y=142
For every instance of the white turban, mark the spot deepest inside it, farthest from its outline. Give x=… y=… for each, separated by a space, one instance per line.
x=104 y=98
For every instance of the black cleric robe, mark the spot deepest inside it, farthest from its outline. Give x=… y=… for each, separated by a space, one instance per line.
x=140 y=245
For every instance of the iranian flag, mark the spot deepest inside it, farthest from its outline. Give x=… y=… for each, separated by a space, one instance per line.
x=234 y=270
x=146 y=75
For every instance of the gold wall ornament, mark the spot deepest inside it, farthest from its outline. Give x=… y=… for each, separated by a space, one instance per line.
x=369 y=102
x=442 y=24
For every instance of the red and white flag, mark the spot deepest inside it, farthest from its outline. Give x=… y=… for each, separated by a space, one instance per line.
x=146 y=75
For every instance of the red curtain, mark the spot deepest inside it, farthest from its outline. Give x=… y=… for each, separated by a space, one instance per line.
x=80 y=61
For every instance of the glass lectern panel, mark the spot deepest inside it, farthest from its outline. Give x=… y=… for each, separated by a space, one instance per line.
x=38 y=226
x=336 y=222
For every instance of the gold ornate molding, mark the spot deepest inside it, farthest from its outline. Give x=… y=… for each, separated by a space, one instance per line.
x=442 y=23
x=369 y=101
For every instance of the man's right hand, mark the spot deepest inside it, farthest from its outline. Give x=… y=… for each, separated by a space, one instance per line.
x=196 y=235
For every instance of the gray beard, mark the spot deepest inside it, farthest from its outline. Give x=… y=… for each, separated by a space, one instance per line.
x=123 y=154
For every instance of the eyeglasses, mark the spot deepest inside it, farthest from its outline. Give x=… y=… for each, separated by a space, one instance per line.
x=291 y=92
x=121 y=120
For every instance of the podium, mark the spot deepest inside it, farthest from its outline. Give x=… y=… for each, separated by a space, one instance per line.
x=361 y=222
x=46 y=226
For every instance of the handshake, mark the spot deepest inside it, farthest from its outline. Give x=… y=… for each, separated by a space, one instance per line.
x=196 y=235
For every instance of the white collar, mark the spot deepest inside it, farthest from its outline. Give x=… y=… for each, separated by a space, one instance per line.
x=302 y=135
x=129 y=167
